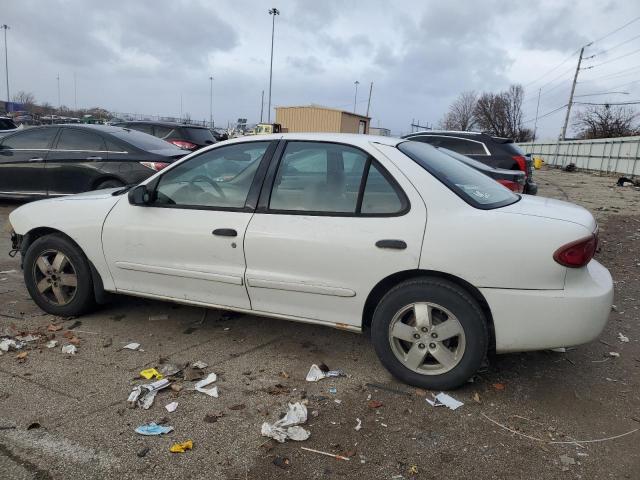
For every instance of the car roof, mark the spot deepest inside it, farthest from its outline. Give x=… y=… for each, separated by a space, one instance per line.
x=357 y=139
x=161 y=123
x=460 y=133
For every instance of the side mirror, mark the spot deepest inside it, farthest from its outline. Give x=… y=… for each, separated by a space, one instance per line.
x=139 y=195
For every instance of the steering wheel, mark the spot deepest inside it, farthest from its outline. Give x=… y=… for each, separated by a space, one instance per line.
x=203 y=178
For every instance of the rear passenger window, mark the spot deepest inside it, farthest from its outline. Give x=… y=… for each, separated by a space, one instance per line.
x=380 y=196
x=161 y=131
x=318 y=177
x=141 y=127
x=72 y=139
x=462 y=146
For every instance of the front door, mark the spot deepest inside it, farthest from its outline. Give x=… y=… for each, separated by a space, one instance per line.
x=332 y=222
x=188 y=243
x=22 y=161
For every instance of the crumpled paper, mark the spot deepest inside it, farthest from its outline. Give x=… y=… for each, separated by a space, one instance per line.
x=316 y=373
x=287 y=427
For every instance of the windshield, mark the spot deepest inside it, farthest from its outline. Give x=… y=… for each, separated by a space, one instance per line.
x=472 y=186
x=147 y=142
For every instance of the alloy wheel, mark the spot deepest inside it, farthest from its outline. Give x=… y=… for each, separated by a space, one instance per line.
x=427 y=338
x=55 y=277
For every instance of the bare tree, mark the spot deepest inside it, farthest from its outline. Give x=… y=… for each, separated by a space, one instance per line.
x=500 y=114
x=461 y=112
x=606 y=121
x=26 y=98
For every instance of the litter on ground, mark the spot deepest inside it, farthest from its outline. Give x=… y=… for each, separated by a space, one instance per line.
x=52 y=344
x=338 y=457
x=69 y=349
x=213 y=391
x=623 y=338
x=144 y=395
x=444 y=400
x=288 y=426
x=181 y=447
x=132 y=346
x=153 y=429
x=171 y=407
x=358 y=426
x=316 y=373
x=150 y=373
x=199 y=364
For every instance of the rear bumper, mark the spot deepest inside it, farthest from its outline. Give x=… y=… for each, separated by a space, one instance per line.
x=541 y=319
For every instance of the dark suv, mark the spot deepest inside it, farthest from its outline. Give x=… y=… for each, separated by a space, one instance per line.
x=186 y=136
x=494 y=151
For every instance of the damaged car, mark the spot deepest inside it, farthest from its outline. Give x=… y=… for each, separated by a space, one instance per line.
x=438 y=262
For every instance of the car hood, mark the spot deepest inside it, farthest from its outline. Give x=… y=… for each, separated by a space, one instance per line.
x=549 y=208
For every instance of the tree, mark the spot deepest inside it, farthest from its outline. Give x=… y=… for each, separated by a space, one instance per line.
x=26 y=98
x=606 y=121
x=500 y=114
x=461 y=112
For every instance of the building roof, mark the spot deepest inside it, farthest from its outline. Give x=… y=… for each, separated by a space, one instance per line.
x=321 y=107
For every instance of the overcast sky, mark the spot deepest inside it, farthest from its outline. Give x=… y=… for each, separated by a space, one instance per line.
x=142 y=56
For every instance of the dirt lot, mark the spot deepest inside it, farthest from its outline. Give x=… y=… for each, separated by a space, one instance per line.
x=87 y=431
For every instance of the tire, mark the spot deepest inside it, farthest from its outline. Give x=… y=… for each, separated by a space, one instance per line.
x=111 y=183
x=58 y=276
x=426 y=307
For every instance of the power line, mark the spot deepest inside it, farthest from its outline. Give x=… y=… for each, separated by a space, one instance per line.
x=553 y=69
x=620 y=73
x=547 y=114
x=631 y=102
x=618 y=45
x=616 y=58
x=616 y=30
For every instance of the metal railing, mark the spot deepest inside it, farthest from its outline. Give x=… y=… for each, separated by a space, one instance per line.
x=609 y=155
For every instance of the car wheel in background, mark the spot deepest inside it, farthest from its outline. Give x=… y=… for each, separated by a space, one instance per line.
x=111 y=183
x=58 y=276
x=430 y=333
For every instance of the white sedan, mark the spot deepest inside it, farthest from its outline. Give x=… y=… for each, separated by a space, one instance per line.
x=441 y=263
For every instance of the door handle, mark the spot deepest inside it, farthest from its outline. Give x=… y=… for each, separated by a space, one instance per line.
x=225 y=232
x=396 y=244
x=36 y=159
x=94 y=158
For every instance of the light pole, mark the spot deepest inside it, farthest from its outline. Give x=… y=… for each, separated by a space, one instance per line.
x=211 y=101
x=6 y=57
x=355 y=98
x=273 y=11
x=58 y=79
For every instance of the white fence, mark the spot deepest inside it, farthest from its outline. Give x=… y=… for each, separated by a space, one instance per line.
x=610 y=155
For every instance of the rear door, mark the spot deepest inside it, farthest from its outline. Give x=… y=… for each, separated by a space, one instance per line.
x=74 y=163
x=332 y=222
x=22 y=157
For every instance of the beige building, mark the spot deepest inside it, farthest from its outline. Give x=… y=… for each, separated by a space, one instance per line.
x=314 y=118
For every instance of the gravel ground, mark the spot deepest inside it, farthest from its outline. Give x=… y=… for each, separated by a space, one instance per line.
x=67 y=416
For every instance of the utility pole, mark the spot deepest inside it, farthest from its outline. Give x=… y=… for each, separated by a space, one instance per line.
x=262 y=106
x=211 y=101
x=59 y=104
x=75 y=93
x=535 y=125
x=355 y=98
x=573 y=89
x=369 y=102
x=273 y=11
x=6 y=58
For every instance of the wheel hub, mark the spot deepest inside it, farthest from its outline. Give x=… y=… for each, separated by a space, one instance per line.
x=55 y=277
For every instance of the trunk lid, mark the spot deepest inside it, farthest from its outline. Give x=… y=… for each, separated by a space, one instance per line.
x=550 y=208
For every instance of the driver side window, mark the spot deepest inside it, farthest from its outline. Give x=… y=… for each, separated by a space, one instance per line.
x=218 y=178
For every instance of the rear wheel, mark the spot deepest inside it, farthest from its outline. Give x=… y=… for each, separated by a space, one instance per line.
x=58 y=276
x=430 y=333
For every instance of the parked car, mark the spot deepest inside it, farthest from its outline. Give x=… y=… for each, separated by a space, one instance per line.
x=514 y=180
x=494 y=151
x=185 y=136
x=219 y=135
x=350 y=231
x=56 y=160
x=7 y=126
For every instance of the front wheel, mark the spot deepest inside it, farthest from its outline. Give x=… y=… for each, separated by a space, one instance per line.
x=430 y=333
x=58 y=276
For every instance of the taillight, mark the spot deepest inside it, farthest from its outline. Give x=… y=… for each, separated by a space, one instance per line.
x=577 y=254
x=513 y=186
x=155 y=166
x=522 y=162
x=184 y=144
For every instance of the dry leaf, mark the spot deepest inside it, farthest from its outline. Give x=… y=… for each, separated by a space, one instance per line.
x=54 y=328
x=375 y=404
x=476 y=397
x=22 y=355
x=499 y=386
